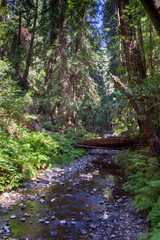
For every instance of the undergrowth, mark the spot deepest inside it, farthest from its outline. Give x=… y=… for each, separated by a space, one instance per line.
x=21 y=156
x=143 y=181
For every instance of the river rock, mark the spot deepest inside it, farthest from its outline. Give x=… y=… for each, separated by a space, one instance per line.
x=47 y=222
x=22 y=206
x=62 y=221
x=42 y=220
x=42 y=201
x=22 y=219
x=54 y=234
x=26 y=215
x=13 y=217
x=73 y=222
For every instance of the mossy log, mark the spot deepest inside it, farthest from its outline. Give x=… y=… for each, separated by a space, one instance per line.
x=111 y=142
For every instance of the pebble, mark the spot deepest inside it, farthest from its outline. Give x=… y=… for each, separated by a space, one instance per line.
x=42 y=220
x=54 y=234
x=93 y=226
x=68 y=195
x=73 y=222
x=13 y=217
x=62 y=221
x=53 y=199
x=84 y=232
x=47 y=222
x=42 y=201
x=22 y=206
x=26 y=215
x=22 y=219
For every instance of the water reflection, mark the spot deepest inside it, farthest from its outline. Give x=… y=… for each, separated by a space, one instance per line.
x=78 y=201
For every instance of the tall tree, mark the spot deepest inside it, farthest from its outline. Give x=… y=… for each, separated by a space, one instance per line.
x=134 y=63
x=24 y=82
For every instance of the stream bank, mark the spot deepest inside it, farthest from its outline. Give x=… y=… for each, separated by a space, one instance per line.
x=84 y=200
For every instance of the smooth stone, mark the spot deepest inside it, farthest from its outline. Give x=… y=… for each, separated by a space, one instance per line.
x=73 y=222
x=84 y=232
x=42 y=220
x=26 y=215
x=69 y=189
x=22 y=206
x=54 y=234
x=42 y=196
x=63 y=222
x=42 y=201
x=69 y=195
x=53 y=199
x=93 y=226
x=53 y=217
x=1 y=231
x=22 y=219
x=47 y=222
x=13 y=217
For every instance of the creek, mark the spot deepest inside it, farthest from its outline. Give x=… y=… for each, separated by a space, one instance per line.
x=85 y=200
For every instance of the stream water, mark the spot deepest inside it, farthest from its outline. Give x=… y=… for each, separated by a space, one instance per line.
x=88 y=204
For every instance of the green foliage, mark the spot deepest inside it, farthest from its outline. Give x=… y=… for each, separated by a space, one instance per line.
x=20 y=157
x=143 y=180
x=13 y=105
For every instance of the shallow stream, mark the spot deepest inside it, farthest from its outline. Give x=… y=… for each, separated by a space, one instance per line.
x=86 y=203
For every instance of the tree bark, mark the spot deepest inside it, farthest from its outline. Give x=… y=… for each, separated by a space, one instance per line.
x=24 y=82
x=117 y=142
x=50 y=62
x=18 y=50
x=63 y=70
x=131 y=48
x=153 y=9
x=141 y=45
x=149 y=133
x=150 y=51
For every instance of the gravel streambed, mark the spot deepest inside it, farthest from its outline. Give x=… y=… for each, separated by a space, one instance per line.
x=83 y=200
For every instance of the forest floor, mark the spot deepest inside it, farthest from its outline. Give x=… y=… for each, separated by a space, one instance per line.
x=84 y=200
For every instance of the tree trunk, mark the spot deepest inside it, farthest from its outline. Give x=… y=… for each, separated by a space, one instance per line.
x=18 y=50
x=131 y=49
x=116 y=142
x=153 y=9
x=150 y=51
x=149 y=133
x=24 y=82
x=63 y=70
x=141 y=45
x=50 y=62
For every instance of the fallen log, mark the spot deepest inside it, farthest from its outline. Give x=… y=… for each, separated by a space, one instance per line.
x=112 y=142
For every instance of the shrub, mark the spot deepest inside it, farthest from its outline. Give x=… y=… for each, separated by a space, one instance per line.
x=143 y=180
x=20 y=157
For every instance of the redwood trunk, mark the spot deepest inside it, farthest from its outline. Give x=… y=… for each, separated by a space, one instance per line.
x=24 y=82
x=141 y=45
x=50 y=62
x=117 y=142
x=63 y=71
x=131 y=48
